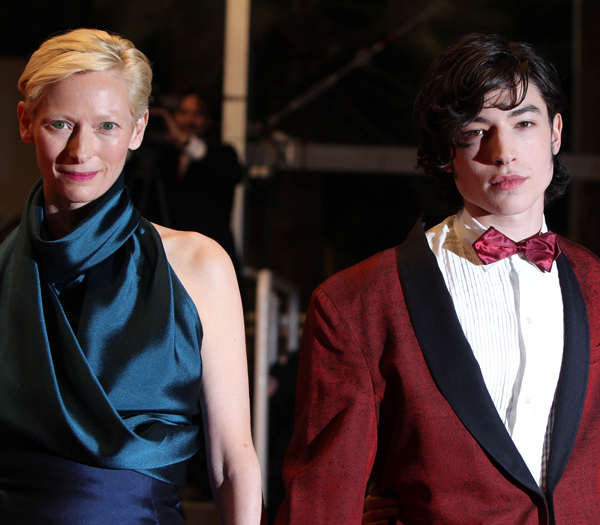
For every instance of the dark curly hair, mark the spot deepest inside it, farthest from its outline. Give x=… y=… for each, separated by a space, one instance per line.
x=453 y=92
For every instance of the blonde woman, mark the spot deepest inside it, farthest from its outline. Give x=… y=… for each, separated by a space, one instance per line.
x=117 y=335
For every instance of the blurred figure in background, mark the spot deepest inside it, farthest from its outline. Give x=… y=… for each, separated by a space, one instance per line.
x=190 y=176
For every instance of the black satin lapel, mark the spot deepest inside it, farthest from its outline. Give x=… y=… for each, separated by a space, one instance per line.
x=450 y=357
x=572 y=382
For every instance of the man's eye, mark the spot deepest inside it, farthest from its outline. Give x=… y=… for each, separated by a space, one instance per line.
x=525 y=124
x=108 y=126
x=58 y=124
x=471 y=133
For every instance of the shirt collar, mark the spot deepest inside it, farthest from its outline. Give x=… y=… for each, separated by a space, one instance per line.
x=468 y=230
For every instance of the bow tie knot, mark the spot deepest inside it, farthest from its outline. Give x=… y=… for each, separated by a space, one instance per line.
x=494 y=246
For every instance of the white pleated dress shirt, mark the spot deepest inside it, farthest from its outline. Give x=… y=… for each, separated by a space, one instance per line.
x=512 y=315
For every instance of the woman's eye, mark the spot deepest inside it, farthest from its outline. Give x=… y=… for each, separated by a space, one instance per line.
x=58 y=124
x=108 y=126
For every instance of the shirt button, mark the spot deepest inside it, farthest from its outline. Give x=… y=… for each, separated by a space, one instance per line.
x=529 y=321
x=528 y=400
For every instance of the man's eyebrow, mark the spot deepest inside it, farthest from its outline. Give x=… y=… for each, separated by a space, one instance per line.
x=530 y=108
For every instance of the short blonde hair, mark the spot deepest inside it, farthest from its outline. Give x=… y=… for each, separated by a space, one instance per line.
x=85 y=50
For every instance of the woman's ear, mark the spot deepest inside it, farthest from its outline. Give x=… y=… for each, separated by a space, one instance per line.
x=138 y=131
x=25 y=123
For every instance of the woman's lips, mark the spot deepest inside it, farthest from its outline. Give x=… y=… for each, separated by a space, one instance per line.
x=80 y=176
x=508 y=182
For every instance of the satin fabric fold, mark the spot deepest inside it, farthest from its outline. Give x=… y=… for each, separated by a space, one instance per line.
x=100 y=346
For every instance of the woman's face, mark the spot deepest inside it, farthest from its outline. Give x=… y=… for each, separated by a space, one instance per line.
x=82 y=129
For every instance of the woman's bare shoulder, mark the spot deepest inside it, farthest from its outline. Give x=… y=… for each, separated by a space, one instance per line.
x=200 y=263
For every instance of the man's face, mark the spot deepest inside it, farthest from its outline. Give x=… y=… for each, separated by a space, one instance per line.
x=507 y=165
x=191 y=116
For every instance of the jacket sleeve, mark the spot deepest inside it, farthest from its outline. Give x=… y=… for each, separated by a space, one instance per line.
x=331 y=455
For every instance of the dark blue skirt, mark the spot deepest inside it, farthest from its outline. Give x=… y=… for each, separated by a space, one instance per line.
x=38 y=488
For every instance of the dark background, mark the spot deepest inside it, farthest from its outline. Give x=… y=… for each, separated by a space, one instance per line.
x=296 y=43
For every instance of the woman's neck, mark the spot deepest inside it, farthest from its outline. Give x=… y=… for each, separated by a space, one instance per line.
x=59 y=223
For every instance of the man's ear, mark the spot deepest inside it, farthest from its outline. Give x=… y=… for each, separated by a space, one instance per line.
x=25 y=123
x=449 y=168
x=557 y=126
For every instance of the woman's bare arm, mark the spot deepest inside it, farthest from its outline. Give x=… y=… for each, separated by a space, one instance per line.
x=207 y=274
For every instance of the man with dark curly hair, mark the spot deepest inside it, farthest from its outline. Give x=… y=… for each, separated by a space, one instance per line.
x=459 y=370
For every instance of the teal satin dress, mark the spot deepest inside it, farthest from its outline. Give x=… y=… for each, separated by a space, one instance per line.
x=99 y=347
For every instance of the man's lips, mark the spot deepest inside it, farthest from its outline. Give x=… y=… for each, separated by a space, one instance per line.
x=80 y=176
x=507 y=182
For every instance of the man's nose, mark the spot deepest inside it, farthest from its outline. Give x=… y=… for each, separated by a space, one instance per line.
x=502 y=148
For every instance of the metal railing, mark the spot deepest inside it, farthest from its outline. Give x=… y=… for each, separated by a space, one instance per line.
x=277 y=314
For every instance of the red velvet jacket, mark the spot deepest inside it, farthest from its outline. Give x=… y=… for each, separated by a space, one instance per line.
x=389 y=388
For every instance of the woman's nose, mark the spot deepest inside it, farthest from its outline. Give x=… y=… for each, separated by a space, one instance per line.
x=78 y=146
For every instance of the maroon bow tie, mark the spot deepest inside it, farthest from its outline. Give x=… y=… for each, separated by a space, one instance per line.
x=541 y=250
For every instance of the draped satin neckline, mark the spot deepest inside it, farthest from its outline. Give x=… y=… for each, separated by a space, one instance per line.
x=101 y=346
x=110 y=221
